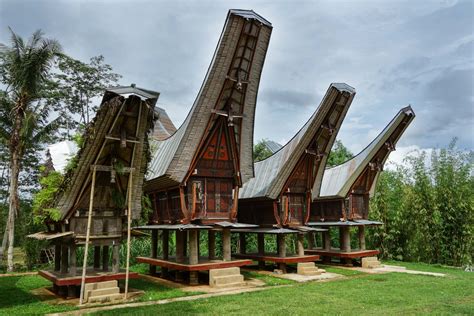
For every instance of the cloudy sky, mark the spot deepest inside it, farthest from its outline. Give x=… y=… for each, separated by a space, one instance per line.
x=394 y=53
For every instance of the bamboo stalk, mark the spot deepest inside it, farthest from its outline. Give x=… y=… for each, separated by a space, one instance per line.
x=86 y=248
x=129 y=223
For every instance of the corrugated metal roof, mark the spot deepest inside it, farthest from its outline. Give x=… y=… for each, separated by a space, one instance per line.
x=271 y=173
x=338 y=180
x=272 y=146
x=143 y=94
x=174 y=154
x=164 y=127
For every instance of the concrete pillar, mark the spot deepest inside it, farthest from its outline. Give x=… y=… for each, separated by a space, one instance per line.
x=116 y=257
x=226 y=247
x=180 y=246
x=72 y=260
x=346 y=239
x=327 y=240
x=96 y=257
x=362 y=237
x=198 y=232
x=154 y=249
x=57 y=257
x=242 y=243
x=261 y=249
x=193 y=247
x=64 y=258
x=311 y=240
x=105 y=258
x=165 y=237
x=300 y=244
x=281 y=244
x=211 y=244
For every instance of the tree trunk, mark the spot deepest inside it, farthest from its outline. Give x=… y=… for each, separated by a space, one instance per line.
x=4 y=241
x=14 y=206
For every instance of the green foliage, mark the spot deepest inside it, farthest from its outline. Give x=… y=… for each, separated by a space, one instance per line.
x=427 y=209
x=261 y=151
x=339 y=154
x=44 y=198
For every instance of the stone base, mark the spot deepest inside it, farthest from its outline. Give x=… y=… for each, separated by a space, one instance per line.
x=225 y=277
x=370 y=263
x=307 y=268
x=102 y=292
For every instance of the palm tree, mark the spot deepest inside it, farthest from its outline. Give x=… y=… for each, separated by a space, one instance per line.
x=24 y=69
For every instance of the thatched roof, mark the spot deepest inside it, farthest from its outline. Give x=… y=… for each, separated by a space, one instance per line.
x=232 y=78
x=124 y=116
x=337 y=181
x=272 y=173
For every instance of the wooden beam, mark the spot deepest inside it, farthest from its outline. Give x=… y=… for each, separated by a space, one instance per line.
x=119 y=139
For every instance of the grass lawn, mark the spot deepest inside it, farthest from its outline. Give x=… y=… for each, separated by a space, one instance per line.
x=377 y=294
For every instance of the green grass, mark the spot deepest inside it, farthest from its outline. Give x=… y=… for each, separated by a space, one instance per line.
x=268 y=279
x=367 y=294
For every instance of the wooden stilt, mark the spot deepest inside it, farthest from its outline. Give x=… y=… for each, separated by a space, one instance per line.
x=116 y=257
x=88 y=232
x=193 y=256
x=362 y=237
x=198 y=242
x=96 y=257
x=261 y=249
x=327 y=240
x=211 y=240
x=300 y=244
x=311 y=242
x=180 y=246
x=242 y=243
x=72 y=260
x=64 y=258
x=185 y=243
x=129 y=224
x=346 y=239
x=154 y=249
x=105 y=258
x=57 y=257
x=281 y=244
x=165 y=236
x=226 y=247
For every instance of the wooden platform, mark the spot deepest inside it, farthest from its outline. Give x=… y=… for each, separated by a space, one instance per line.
x=92 y=276
x=203 y=265
x=342 y=254
x=275 y=258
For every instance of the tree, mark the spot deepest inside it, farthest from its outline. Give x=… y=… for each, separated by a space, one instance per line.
x=24 y=70
x=261 y=151
x=339 y=154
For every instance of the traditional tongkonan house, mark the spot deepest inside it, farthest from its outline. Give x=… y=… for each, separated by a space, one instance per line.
x=345 y=191
x=195 y=174
x=101 y=192
x=279 y=197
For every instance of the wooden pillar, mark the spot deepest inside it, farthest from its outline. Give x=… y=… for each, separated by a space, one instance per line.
x=242 y=243
x=226 y=247
x=57 y=257
x=362 y=237
x=327 y=239
x=311 y=240
x=193 y=256
x=261 y=249
x=185 y=243
x=165 y=237
x=198 y=232
x=72 y=260
x=346 y=239
x=64 y=258
x=211 y=244
x=300 y=244
x=154 y=249
x=180 y=246
x=281 y=244
x=116 y=257
x=105 y=258
x=97 y=257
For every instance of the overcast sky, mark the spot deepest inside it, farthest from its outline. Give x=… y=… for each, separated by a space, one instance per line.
x=394 y=54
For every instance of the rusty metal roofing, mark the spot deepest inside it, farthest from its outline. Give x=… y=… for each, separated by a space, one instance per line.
x=272 y=173
x=338 y=180
x=172 y=159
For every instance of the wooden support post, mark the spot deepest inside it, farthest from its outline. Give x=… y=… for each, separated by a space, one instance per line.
x=311 y=242
x=346 y=239
x=211 y=241
x=72 y=260
x=185 y=243
x=129 y=220
x=180 y=246
x=96 y=257
x=105 y=258
x=193 y=256
x=300 y=244
x=198 y=232
x=327 y=240
x=64 y=258
x=165 y=236
x=242 y=243
x=226 y=247
x=281 y=244
x=116 y=257
x=362 y=237
x=154 y=248
x=57 y=257
x=261 y=249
